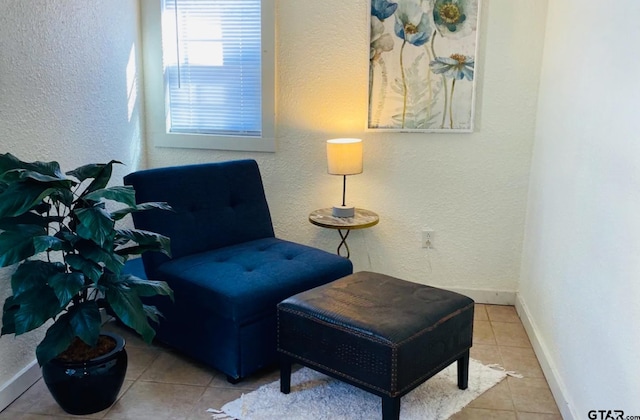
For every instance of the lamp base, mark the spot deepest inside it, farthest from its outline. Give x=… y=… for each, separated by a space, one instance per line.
x=343 y=211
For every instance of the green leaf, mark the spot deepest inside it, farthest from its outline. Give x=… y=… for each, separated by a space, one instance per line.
x=96 y=225
x=95 y=253
x=48 y=168
x=66 y=286
x=30 y=218
x=66 y=235
x=20 y=197
x=17 y=245
x=148 y=241
x=8 y=313
x=42 y=208
x=36 y=300
x=9 y=162
x=100 y=172
x=86 y=322
x=64 y=196
x=58 y=338
x=146 y=287
x=152 y=313
x=46 y=243
x=122 y=194
x=23 y=174
x=90 y=269
x=33 y=276
x=82 y=320
x=128 y=307
x=119 y=214
x=36 y=307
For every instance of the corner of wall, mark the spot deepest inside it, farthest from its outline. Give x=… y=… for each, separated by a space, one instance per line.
x=489 y=297
x=557 y=386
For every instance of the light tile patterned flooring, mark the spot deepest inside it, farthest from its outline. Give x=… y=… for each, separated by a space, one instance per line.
x=161 y=384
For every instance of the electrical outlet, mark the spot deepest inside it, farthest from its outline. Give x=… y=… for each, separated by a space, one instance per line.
x=427 y=238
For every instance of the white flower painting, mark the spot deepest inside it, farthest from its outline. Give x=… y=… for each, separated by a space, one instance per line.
x=422 y=65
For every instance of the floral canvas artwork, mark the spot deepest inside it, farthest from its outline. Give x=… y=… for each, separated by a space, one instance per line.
x=421 y=65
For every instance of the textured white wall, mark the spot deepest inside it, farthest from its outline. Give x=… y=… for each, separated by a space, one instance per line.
x=68 y=92
x=469 y=188
x=581 y=270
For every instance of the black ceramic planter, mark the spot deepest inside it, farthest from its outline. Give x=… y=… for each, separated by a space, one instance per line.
x=88 y=387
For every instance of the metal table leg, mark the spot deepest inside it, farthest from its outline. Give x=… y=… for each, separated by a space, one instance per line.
x=343 y=242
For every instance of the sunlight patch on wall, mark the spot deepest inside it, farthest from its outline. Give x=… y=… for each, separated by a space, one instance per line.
x=132 y=81
x=136 y=146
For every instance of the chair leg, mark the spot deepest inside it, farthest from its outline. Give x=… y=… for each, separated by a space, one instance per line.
x=285 y=374
x=390 y=408
x=232 y=380
x=463 y=371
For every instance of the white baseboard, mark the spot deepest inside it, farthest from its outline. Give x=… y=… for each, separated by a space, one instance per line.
x=22 y=380
x=491 y=297
x=547 y=364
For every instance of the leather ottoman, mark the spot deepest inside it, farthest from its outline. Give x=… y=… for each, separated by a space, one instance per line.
x=377 y=332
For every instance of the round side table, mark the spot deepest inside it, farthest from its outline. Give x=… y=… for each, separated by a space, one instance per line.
x=362 y=219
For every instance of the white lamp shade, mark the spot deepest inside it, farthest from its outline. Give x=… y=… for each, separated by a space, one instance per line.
x=344 y=156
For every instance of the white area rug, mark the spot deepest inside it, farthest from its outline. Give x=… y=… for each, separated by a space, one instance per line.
x=315 y=396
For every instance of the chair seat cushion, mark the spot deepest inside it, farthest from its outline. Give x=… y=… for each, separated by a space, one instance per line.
x=242 y=282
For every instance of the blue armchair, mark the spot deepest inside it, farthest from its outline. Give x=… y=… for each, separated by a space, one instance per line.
x=228 y=270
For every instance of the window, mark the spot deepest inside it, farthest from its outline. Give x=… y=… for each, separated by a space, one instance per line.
x=209 y=73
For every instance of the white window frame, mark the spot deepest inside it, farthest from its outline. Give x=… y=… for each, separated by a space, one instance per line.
x=154 y=89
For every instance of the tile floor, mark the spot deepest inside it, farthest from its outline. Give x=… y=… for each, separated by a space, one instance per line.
x=161 y=384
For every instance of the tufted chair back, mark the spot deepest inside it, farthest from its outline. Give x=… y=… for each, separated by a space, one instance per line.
x=215 y=205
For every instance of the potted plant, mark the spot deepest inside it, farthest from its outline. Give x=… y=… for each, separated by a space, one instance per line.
x=61 y=231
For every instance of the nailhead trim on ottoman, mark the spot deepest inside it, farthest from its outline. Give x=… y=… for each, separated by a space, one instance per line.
x=377 y=332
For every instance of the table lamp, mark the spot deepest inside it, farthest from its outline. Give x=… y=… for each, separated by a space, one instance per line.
x=344 y=157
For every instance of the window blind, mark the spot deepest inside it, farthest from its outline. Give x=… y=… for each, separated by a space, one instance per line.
x=212 y=66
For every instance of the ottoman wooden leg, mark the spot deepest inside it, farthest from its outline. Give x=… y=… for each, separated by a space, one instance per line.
x=285 y=374
x=463 y=371
x=390 y=408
